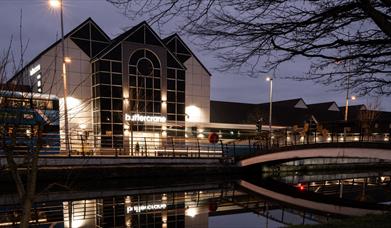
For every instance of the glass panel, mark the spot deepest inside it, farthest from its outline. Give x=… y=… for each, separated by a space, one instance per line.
x=181 y=85
x=116 y=91
x=170 y=73
x=149 y=95
x=116 y=79
x=116 y=67
x=105 y=117
x=117 y=118
x=156 y=82
x=170 y=108
x=181 y=74
x=103 y=78
x=132 y=81
x=105 y=91
x=105 y=103
x=181 y=97
x=171 y=96
x=135 y=57
x=171 y=84
x=117 y=104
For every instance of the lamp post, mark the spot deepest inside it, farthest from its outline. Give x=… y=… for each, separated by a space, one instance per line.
x=59 y=4
x=269 y=79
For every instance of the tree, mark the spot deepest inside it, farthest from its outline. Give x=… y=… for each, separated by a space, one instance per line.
x=20 y=143
x=267 y=34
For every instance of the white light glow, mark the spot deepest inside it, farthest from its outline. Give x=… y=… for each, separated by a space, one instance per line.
x=54 y=3
x=35 y=69
x=67 y=60
x=269 y=79
x=191 y=212
x=82 y=126
x=193 y=113
x=73 y=102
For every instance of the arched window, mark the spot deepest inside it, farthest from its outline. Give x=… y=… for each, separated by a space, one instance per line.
x=145 y=83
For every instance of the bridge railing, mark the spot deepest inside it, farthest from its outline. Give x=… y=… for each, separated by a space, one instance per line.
x=247 y=148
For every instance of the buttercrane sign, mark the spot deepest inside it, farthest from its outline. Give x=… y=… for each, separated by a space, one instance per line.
x=148 y=207
x=141 y=118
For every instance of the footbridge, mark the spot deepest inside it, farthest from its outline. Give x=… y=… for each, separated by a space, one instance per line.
x=288 y=195
x=368 y=150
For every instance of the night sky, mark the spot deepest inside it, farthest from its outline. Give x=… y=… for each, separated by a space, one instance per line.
x=41 y=24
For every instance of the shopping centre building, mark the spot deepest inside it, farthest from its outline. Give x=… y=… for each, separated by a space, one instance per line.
x=136 y=86
x=139 y=88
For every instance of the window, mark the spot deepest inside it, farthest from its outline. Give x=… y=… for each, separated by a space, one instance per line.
x=145 y=84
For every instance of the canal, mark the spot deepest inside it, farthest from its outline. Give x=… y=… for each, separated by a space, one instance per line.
x=267 y=200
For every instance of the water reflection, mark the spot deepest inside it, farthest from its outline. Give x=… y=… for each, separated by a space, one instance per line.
x=235 y=203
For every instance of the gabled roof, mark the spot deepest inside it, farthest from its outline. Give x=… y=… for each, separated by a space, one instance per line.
x=88 y=20
x=326 y=112
x=233 y=112
x=284 y=113
x=178 y=38
x=117 y=41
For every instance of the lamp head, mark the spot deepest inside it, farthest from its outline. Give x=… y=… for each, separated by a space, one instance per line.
x=55 y=3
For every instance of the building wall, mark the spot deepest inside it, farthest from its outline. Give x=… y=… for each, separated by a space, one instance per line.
x=197 y=92
x=79 y=84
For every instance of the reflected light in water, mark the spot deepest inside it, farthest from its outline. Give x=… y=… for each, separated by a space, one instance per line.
x=191 y=212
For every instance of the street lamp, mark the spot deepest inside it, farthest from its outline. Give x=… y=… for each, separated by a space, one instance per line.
x=59 y=4
x=269 y=79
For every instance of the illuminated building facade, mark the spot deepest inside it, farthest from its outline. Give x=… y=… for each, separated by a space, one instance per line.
x=124 y=91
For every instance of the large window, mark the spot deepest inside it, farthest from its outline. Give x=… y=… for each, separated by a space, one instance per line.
x=107 y=102
x=145 y=84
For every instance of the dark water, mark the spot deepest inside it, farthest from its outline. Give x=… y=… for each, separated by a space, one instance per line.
x=268 y=201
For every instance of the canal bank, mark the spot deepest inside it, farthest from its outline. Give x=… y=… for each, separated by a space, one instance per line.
x=57 y=168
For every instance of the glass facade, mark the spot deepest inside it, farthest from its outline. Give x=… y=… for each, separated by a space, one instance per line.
x=142 y=72
x=107 y=102
x=145 y=87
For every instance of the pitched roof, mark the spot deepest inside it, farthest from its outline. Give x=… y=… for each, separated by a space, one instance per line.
x=117 y=41
x=88 y=20
x=176 y=36
x=323 y=113
x=284 y=113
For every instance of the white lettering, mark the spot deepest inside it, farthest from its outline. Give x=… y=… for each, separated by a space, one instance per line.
x=148 y=207
x=141 y=118
x=35 y=69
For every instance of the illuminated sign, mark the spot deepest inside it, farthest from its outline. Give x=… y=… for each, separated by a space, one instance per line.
x=141 y=118
x=149 y=207
x=35 y=69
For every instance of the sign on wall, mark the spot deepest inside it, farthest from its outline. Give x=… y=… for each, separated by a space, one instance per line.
x=142 y=118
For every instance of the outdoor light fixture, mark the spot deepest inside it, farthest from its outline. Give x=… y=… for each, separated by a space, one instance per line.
x=270 y=79
x=58 y=4
x=353 y=98
x=67 y=60
x=54 y=3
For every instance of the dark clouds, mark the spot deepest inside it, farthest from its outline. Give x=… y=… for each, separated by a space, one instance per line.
x=41 y=25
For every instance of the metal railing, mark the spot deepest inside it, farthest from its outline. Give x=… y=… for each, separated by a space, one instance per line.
x=54 y=145
x=246 y=148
